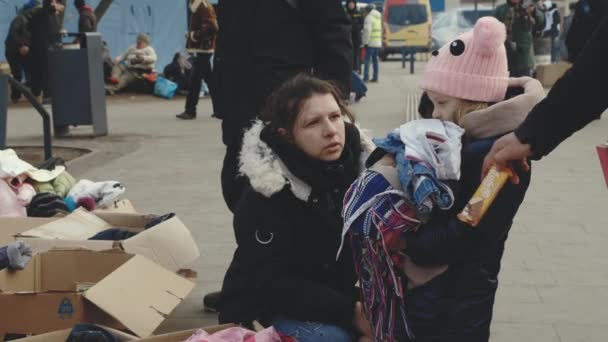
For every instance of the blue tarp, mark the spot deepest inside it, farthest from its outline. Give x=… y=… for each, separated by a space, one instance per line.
x=165 y=22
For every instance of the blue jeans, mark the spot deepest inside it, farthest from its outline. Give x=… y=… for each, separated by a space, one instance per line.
x=305 y=331
x=357 y=85
x=371 y=53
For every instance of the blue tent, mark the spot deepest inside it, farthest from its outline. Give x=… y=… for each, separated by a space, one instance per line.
x=164 y=21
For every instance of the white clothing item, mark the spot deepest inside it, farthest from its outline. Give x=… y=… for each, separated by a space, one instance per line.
x=367 y=38
x=549 y=18
x=104 y=193
x=11 y=166
x=148 y=54
x=435 y=142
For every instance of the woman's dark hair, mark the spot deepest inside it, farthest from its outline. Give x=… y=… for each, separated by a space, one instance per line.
x=285 y=103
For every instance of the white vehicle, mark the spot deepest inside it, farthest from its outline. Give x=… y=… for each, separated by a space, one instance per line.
x=451 y=24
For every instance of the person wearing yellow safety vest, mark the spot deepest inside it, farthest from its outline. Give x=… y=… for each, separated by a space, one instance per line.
x=372 y=40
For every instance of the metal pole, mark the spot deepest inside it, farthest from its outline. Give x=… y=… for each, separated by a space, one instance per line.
x=46 y=118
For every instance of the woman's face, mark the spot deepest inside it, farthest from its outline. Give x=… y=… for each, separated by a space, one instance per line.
x=351 y=5
x=319 y=128
x=445 y=106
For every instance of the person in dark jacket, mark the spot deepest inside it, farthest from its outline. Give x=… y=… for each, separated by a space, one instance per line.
x=264 y=43
x=46 y=26
x=87 y=21
x=17 y=46
x=288 y=225
x=450 y=269
x=357 y=21
x=552 y=121
x=201 y=42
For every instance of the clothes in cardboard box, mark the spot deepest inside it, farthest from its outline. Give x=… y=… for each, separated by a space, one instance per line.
x=28 y=191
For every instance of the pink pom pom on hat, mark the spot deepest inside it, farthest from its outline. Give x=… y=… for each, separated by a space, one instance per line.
x=473 y=66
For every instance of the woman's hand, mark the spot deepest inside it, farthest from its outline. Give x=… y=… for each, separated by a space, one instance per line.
x=361 y=323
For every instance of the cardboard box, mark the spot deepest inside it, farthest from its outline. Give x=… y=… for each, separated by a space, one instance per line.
x=61 y=288
x=170 y=243
x=181 y=336
x=11 y=226
x=62 y=335
x=550 y=73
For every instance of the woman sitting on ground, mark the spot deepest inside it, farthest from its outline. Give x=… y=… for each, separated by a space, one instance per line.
x=299 y=163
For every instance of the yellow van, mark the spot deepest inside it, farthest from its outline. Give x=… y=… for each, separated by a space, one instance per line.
x=407 y=23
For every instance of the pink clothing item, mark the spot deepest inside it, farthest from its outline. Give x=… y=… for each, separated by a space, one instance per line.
x=10 y=206
x=239 y=335
x=472 y=67
x=25 y=194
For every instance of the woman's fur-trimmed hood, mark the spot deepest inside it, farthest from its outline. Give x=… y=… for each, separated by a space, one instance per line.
x=268 y=174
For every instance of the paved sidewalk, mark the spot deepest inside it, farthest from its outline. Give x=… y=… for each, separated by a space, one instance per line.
x=554 y=279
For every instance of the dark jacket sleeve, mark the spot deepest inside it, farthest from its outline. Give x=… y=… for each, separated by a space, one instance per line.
x=450 y=241
x=574 y=101
x=331 y=29
x=20 y=31
x=280 y=285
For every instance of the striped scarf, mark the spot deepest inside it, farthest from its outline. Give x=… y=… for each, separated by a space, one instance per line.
x=375 y=216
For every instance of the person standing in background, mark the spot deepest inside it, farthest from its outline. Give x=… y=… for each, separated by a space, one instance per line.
x=520 y=23
x=17 y=46
x=46 y=26
x=202 y=34
x=357 y=20
x=552 y=28
x=87 y=21
x=372 y=41
x=263 y=44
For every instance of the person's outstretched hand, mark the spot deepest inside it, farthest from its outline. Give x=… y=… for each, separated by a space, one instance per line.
x=505 y=150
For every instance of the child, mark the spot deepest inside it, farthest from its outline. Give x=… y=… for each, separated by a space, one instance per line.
x=396 y=223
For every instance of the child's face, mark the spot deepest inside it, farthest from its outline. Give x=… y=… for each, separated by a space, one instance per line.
x=445 y=106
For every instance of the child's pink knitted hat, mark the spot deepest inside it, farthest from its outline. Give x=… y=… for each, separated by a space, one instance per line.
x=472 y=67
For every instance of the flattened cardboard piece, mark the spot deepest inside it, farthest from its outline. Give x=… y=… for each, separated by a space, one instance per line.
x=11 y=226
x=122 y=206
x=62 y=335
x=79 y=225
x=61 y=270
x=170 y=244
x=148 y=293
x=183 y=335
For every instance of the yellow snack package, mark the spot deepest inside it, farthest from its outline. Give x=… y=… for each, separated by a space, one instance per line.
x=487 y=191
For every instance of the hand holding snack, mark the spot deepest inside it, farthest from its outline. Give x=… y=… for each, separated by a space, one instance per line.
x=487 y=191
